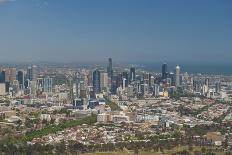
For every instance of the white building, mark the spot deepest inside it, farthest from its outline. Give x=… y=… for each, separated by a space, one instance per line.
x=2 y=88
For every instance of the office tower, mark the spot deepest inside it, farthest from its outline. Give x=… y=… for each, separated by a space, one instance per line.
x=172 y=77
x=47 y=84
x=110 y=69
x=104 y=81
x=177 y=75
x=20 y=78
x=27 y=84
x=145 y=89
x=7 y=84
x=124 y=83
x=33 y=88
x=132 y=74
x=164 y=71
x=207 y=82
x=10 y=75
x=218 y=87
x=29 y=73
x=2 y=77
x=113 y=85
x=152 y=80
x=96 y=81
x=7 y=75
x=90 y=79
x=156 y=90
x=15 y=87
x=147 y=79
x=126 y=77
x=32 y=73
x=206 y=86
x=119 y=80
x=169 y=81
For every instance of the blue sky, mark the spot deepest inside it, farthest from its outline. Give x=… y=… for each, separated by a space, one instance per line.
x=126 y=30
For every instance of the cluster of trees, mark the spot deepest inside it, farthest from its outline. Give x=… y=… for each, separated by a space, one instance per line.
x=112 y=105
x=55 y=128
x=36 y=149
x=49 y=130
x=62 y=111
x=201 y=130
x=156 y=143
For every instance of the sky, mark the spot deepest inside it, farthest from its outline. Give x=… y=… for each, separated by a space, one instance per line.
x=195 y=31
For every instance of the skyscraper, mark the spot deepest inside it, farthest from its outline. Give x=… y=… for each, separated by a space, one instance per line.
x=207 y=82
x=47 y=84
x=20 y=78
x=29 y=73
x=32 y=73
x=125 y=77
x=3 y=77
x=164 y=71
x=104 y=80
x=177 y=76
x=10 y=75
x=96 y=81
x=132 y=74
x=217 y=86
x=119 y=80
x=110 y=69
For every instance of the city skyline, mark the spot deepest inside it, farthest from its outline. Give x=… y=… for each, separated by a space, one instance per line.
x=137 y=31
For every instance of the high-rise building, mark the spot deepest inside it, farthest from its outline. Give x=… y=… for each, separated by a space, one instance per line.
x=110 y=69
x=104 y=80
x=119 y=80
x=32 y=73
x=172 y=77
x=207 y=82
x=2 y=89
x=156 y=90
x=124 y=83
x=3 y=77
x=147 y=79
x=47 y=84
x=218 y=87
x=132 y=74
x=10 y=75
x=126 y=77
x=96 y=81
x=29 y=73
x=20 y=78
x=177 y=76
x=164 y=71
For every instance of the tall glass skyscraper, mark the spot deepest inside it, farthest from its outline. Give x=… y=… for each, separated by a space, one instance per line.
x=110 y=69
x=32 y=73
x=132 y=74
x=20 y=78
x=3 y=77
x=96 y=81
x=164 y=71
x=47 y=84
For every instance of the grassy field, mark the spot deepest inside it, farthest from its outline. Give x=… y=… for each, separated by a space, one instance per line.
x=166 y=152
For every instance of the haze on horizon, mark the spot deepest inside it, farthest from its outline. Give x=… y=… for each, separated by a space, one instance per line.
x=126 y=30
